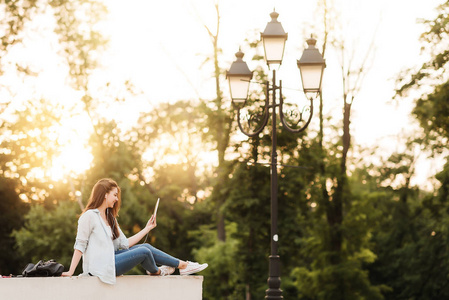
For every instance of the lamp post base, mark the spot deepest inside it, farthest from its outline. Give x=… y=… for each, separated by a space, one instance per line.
x=274 y=294
x=274 y=291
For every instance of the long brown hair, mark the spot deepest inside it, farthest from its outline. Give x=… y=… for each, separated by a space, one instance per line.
x=96 y=199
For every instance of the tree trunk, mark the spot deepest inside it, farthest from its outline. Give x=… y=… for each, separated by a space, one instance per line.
x=335 y=217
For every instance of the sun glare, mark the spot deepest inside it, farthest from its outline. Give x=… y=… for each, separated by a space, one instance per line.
x=74 y=159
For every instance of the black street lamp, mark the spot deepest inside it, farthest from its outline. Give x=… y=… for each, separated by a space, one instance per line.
x=311 y=65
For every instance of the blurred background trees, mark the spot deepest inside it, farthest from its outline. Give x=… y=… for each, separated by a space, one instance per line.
x=349 y=228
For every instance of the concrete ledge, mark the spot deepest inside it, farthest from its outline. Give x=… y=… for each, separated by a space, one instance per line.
x=127 y=287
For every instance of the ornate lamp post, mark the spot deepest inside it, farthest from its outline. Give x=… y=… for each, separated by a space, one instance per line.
x=311 y=65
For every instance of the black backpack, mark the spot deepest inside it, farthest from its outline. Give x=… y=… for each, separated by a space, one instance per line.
x=43 y=269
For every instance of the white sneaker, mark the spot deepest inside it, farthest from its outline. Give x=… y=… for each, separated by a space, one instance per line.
x=192 y=267
x=165 y=271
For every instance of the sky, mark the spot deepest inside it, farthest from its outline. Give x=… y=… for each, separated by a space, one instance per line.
x=162 y=45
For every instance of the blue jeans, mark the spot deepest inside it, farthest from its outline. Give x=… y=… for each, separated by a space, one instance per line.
x=145 y=255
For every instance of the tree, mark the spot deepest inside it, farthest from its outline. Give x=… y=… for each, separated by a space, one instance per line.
x=409 y=232
x=12 y=210
x=81 y=44
x=167 y=146
x=30 y=139
x=336 y=270
x=15 y=16
x=415 y=232
x=27 y=145
x=48 y=233
x=430 y=81
x=219 y=122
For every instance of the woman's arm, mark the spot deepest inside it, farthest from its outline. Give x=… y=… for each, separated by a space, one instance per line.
x=82 y=238
x=138 y=236
x=75 y=260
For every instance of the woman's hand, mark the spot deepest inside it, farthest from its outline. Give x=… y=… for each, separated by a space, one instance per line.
x=151 y=223
x=67 y=274
x=75 y=260
x=141 y=234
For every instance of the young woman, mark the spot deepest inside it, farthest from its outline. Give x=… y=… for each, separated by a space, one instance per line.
x=106 y=251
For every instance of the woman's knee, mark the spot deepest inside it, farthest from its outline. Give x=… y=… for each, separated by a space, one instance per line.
x=141 y=252
x=144 y=251
x=147 y=246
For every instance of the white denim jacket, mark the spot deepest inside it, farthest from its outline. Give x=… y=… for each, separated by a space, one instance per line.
x=94 y=240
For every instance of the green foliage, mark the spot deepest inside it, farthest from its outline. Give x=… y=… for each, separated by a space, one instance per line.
x=15 y=16
x=318 y=271
x=343 y=281
x=249 y=207
x=112 y=157
x=77 y=23
x=434 y=42
x=431 y=108
x=29 y=144
x=432 y=112
x=443 y=193
x=12 y=211
x=221 y=277
x=411 y=244
x=411 y=239
x=48 y=233
x=405 y=227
